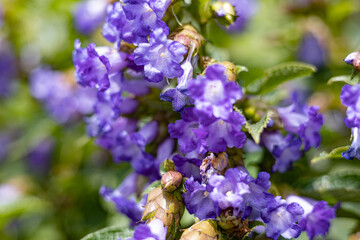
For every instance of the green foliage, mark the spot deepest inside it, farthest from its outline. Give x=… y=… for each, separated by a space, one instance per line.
x=22 y=206
x=345 y=79
x=110 y=233
x=256 y=129
x=334 y=154
x=338 y=186
x=204 y=10
x=277 y=75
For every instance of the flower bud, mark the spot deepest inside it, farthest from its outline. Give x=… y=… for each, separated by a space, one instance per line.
x=189 y=37
x=163 y=206
x=204 y=230
x=230 y=223
x=213 y=164
x=231 y=71
x=170 y=181
x=224 y=12
x=354 y=59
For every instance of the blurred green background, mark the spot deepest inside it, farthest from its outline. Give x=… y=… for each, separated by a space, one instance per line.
x=62 y=201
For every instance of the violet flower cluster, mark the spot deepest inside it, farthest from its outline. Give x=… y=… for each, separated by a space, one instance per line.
x=63 y=99
x=123 y=79
x=302 y=124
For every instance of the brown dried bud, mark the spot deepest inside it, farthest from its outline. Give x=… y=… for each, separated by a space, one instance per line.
x=189 y=37
x=213 y=164
x=232 y=224
x=204 y=230
x=170 y=181
x=164 y=206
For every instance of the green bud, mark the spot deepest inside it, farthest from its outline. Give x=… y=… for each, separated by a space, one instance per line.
x=224 y=12
x=170 y=181
x=204 y=230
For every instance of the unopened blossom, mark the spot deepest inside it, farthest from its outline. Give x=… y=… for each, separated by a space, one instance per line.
x=161 y=57
x=213 y=93
x=89 y=14
x=244 y=10
x=94 y=65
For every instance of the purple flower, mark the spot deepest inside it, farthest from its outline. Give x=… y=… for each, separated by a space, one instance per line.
x=207 y=134
x=280 y=218
x=354 y=149
x=132 y=21
x=127 y=145
x=306 y=121
x=161 y=57
x=94 y=65
x=240 y=191
x=317 y=216
x=63 y=99
x=286 y=150
x=244 y=10
x=39 y=157
x=124 y=199
x=179 y=96
x=189 y=167
x=219 y=134
x=213 y=94
x=183 y=130
x=8 y=69
x=198 y=201
x=227 y=191
x=154 y=230
x=350 y=98
x=89 y=14
x=312 y=50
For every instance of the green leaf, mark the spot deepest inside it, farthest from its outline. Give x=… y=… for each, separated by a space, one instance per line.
x=334 y=154
x=256 y=129
x=204 y=10
x=110 y=233
x=344 y=78
x=338 y=186
x=20 y=207
x=240 y=69
x=279 y=74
